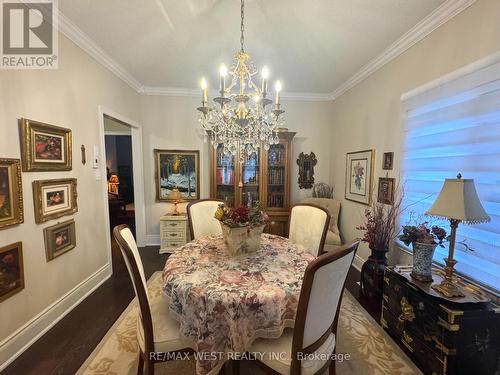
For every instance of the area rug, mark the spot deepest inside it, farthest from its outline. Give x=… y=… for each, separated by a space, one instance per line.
x=371 y=351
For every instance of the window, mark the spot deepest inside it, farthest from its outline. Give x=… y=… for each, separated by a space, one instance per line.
x=452 y=126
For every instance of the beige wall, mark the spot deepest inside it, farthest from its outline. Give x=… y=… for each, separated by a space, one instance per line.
x=68 y=97
x=172 y=123
x=369 y=116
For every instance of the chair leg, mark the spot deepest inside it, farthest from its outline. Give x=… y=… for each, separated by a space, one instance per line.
x=140 y=365
x=150 y=367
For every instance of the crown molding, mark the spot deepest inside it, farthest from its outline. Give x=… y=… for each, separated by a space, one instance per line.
x=185 y=92
x=82 y=40
x=438 y=17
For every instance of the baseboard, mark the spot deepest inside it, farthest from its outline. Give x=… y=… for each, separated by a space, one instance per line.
x=15 y=344
x=358 y=262
x=153 y=240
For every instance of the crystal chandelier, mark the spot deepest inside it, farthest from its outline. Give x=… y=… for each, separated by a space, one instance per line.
x=240 y=121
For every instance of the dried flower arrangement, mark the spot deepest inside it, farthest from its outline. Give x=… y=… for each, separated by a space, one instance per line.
x=241 y=216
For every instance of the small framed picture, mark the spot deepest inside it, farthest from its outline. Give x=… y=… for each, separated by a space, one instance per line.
x=11 y=270
x=11 y=193
x=359 y=176
x=54 y=198
x=59 y=239
x=388 y=161
x=386 y=190
x=45 y=147
x=177 y=169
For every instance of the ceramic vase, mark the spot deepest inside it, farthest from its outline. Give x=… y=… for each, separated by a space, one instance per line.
x=422 y=261
x=242 y=240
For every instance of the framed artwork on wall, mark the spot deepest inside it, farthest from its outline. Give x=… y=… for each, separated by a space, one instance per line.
x=359 y=176
x=177 y=169
x=54 y=198
x=59 y=239
x=306 y=163
x=45 y=147
x=11 y=270
x=386 y=190
x=11 y=193
x=388 y=161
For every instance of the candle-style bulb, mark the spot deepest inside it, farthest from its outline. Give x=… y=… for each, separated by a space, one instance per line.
x=204 y=97
x=265 y=72
x=223 y=70
x=277 y=86
x=203 y=84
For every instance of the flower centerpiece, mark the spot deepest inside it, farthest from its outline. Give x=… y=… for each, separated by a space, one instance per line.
x=241 y=227
x=424 y=240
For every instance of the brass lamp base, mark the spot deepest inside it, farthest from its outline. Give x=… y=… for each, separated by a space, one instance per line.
x=175 y=212
x=447 y=287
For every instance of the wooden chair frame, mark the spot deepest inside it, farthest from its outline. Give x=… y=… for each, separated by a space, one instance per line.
x=145 y=309
x=188 y=211
x=300 y=319
x=325 y=228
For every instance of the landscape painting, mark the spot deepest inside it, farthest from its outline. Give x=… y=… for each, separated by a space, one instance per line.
x=359 y=176
x=11 y=198
x=11 y=270
x=177 y=169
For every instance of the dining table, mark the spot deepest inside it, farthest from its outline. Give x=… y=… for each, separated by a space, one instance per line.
x=223 y=303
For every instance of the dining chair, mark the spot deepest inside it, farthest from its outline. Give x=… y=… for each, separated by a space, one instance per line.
x=201 y=218
x=308 y=227
x=308 y=348
x=157 y=333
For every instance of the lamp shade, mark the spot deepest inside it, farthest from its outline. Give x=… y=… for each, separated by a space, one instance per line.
x=458 y=200
x=175 y=195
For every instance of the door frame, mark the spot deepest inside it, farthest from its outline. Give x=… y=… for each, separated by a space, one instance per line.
x=138 y=174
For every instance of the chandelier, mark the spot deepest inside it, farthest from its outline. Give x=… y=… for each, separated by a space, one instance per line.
x=241 y=121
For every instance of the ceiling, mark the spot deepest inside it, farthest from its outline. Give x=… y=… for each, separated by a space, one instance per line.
x=312 y=46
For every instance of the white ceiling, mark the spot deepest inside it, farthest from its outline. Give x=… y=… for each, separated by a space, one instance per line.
x=313 y=46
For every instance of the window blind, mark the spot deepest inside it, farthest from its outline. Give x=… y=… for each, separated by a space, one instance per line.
x=451 y=127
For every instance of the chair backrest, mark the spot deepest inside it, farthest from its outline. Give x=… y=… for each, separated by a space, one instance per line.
x=201 y=218
x=130 y=253
x=308 y=227
x=320 y=300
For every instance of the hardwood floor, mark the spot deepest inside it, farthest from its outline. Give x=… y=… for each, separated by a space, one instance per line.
x=67 y=345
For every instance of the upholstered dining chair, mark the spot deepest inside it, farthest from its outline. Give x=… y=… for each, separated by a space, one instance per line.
x=308 y=227
x=308 y=348
x=156 y=331
x=201 y=218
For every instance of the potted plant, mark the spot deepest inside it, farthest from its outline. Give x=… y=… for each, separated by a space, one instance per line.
x=424 y=240
x=379 y=232
x=241 y=227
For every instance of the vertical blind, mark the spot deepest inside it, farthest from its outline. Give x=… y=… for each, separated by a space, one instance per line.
x=454 y=127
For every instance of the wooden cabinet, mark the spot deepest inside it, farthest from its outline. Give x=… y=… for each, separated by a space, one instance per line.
x=263 y=177
x=173 y=232
x=442 y=337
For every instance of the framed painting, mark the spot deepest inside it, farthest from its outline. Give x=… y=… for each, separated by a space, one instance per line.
x=359 y=176
x=388 y=161
x=11 y=193
x=45 y=147
x=59 y=239
x=54 y=198
x=11 y=270
x=386 y=190
x=177 y=169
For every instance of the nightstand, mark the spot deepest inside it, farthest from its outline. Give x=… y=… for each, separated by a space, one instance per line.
x=173 y=232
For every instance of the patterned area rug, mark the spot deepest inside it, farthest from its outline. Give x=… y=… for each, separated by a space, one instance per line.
x=371 y=350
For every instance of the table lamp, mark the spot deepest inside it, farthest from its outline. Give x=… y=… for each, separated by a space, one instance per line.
x=176 y=197
x=459 y=203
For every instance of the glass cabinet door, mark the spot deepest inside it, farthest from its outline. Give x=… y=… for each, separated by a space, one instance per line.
x=276 y=176
x=250 y=176
x=225 y=177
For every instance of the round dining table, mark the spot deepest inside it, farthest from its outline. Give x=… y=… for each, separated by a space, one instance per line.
x=224 y=303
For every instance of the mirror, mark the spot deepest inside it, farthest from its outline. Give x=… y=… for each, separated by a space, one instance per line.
x=306 y=163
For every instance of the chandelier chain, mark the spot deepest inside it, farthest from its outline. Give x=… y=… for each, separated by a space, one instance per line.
x=242 y=27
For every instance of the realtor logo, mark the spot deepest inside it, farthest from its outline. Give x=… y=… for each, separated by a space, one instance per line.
x=29 y=35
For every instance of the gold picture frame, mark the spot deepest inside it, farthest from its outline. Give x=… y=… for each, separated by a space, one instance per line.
x=45 y=147
x=173 y=166
x=54 y=198
x=11 y=263
x=11 y=193
x=59 y=239
x=385 y=193
x=359 y=176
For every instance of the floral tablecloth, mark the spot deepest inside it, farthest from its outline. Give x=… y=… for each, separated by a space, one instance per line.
x=223 y=304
